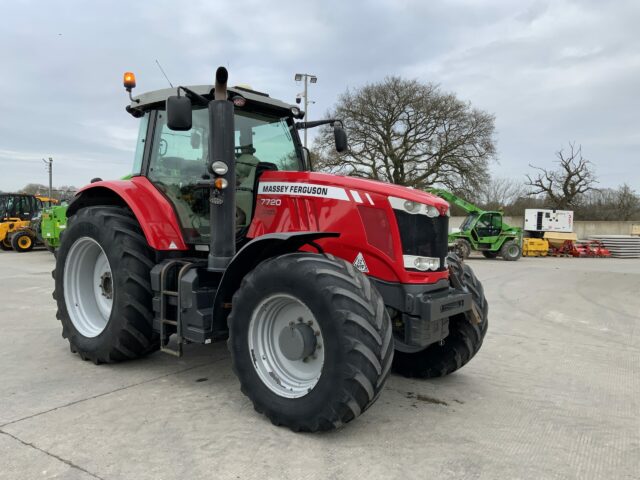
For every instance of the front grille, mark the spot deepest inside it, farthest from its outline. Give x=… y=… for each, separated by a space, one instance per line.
x=423 y=236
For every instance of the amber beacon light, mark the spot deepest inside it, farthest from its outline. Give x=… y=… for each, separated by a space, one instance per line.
x=129 y=81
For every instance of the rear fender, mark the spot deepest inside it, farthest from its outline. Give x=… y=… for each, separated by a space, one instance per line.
x=151 y=208
x=249 y=256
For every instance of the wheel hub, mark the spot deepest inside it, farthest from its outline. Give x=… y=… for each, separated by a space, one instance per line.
x=286 y=345
x=106 y=285
x=297 y=341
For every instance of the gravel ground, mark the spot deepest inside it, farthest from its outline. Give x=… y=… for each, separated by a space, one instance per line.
x=554 y=393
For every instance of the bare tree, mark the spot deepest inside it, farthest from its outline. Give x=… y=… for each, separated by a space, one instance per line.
x=627 y=203
x=499 y=193
x=35 y=188
x=621 y=203
x=64 y=192
x=409 y=133
x=564 y=187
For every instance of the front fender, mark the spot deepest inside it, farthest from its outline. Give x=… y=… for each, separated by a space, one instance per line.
x=151 y=208
x=249 y=256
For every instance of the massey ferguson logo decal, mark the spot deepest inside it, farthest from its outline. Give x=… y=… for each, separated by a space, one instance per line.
x=299 y=189
x=302 y=190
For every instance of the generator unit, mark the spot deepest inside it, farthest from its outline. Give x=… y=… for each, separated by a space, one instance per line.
x=539 y=220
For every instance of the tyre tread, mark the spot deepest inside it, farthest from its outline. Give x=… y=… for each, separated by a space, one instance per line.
x=464 y=340
x=136 y=338
x=367 y=333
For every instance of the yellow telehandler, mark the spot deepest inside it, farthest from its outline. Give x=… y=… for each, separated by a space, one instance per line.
x=16 y=212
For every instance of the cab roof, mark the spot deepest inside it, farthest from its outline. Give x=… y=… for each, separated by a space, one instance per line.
x=160 y=96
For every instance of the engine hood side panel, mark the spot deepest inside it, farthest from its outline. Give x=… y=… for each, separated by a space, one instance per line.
x=304 y=201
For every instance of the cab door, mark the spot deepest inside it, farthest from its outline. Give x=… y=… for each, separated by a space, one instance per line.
x=488 y=228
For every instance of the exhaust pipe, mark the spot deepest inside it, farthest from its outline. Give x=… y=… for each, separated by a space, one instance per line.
x=222 y=202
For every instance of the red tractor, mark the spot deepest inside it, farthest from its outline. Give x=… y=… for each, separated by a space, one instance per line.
x=319 y=283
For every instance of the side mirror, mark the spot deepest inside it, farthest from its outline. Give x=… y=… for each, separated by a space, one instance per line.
x=340 y=136
x=179 y=113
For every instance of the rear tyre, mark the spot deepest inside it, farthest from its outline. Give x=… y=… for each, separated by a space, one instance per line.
x=102 y=286
x=490 y=254
x=5 y=244
x=510 y=251
x=463 y=248
x=22 y=242
x=310 y=341
x=464 y=340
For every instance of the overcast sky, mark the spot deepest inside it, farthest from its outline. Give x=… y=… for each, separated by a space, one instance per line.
x=550 y=71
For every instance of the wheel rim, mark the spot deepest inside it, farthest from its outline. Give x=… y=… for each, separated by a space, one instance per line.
x=513 y=251
x=24 y=242
x=88 y=287
x=272 y=320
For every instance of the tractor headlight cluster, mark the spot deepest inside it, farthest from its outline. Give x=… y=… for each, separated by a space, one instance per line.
x=414 y=208
x=421 y=263
x=432 y=211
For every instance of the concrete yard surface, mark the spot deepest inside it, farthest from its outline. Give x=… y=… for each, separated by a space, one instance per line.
x=553 y=393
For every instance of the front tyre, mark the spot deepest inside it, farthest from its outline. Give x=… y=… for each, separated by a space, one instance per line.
x=511 y=251
x=464 y=339
x=310 y=341
x=22 y=242
x=102 y=286
x=463 y=248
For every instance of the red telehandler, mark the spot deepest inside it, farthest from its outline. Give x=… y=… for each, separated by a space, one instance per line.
x=319 y=283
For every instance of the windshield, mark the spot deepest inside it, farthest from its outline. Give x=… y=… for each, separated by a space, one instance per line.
x=4 y=201
x=466 y=225
x=178 y=164
x=19 y=206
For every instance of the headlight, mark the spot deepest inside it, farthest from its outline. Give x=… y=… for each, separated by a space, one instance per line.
x=421 y=263
x=219 y=168
x=432 y=211
x=412 y=207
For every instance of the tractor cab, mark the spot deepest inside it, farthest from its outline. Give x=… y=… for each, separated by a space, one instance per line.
x=484 y=227
x=176 y=162
x=19 y=206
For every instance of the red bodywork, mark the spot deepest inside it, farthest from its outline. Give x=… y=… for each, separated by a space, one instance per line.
x=304 y=212
x=152 y=209
x=358 y=209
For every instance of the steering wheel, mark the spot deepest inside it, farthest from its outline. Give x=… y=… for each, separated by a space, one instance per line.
x=162 y=147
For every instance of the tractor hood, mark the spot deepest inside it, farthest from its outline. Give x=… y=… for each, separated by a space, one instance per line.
x=357 y=184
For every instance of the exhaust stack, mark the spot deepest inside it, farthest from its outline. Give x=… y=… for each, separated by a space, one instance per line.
x=222 y=201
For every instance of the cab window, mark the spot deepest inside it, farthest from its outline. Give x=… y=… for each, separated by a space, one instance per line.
x=178 y=164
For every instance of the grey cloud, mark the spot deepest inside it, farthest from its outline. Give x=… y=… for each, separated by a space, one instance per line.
x=550 y=71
